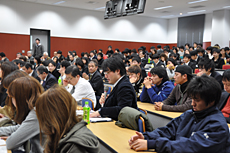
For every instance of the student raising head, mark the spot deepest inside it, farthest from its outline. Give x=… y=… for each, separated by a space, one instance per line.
x=64 y=130
x=23 y=93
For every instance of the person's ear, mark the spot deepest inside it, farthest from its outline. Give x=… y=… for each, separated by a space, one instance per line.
x=118 y=71
x=138 y=74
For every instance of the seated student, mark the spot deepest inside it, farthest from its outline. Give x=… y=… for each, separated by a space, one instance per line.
x=81 y=87
x=95 y=79
x=157 y=87
x=19 y=63
x=135 y=77
x=63 y=66
x=143 y=59
x=100 y=59
x=187 y=61
x=23 y=93
x=28 y=68
x=123 y=93
x=52 y=69
x=201 y=53
x=136 y=60
x=65 y=131
x=178 y=100
x=194 y=57
x=224 y=104
x=47 y=79
x=207 y=67
x=218 y=61
x=201 y=129
x=170 y=69
x=82 y=68
x=156 y=59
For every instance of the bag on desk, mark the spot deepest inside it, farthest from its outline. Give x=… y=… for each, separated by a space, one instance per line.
x=5 y=121
x=128 y=118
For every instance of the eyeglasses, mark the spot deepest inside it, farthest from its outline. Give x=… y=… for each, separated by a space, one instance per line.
x=68 y=79
x=106 y=73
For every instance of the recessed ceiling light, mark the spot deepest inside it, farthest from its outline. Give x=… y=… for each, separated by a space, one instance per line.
x=181 y=13
x=59 y=2
x=160 y=8
x=167 y=16
x=196 y=11
x=197 y=1
x=226 y=7
x=99 y=8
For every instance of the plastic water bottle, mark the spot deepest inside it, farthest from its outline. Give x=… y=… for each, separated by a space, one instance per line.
x=59 y=81
x=86 y=112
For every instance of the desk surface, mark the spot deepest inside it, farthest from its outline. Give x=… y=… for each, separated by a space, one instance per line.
x=114 y=136
x=150 y=107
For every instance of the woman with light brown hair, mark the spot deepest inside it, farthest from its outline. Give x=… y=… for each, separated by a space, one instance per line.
x=23 y=93
x=66 y=132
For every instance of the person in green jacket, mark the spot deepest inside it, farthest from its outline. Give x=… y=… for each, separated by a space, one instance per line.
x=66 y=132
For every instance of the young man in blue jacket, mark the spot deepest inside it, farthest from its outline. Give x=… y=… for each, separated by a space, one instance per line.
x=201 y=129
x=157 y=87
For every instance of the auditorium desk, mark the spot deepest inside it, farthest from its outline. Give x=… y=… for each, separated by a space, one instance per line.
x=112 y=138
x=158 y=118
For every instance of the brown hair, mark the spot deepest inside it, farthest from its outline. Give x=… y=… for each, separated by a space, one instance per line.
x=26 y=91
x=135 y=69
x=7 y=81
x=56 y=112
x=7 y=68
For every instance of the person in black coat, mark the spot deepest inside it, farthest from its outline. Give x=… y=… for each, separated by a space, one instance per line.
x=207 y=67
x=110 y=51
x=123 y=93
x=38 y=49
x=28 y=68
x=100 y=59
x=224 y=103
x=156 y=59
x=95 y=79
x=82 y=68
x=219 y=62
x=187 y=61
x=48 y=80
x=53 y=70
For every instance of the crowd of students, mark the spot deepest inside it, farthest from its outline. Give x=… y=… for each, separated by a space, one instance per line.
x=39 y=112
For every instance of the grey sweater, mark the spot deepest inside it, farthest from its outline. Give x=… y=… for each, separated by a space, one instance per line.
x=19 y=134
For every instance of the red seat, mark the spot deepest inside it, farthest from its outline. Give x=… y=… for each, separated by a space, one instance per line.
x=197 y=71
x=149 y=74
x=225 y=67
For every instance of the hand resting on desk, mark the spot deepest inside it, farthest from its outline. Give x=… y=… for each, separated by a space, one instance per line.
x=137 y=142
x=158 y=106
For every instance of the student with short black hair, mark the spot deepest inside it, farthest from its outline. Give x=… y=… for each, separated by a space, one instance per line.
x=157 y=87
x=136 y=60
x=110 y=51
x=82 y=68
x=201 y=129
x=63 y=66
x=207 y=67
x=47 y=79
x=178 y=100
x=218 y=61
x=170 y=68
x=194 y=57
x=181 y=51
x=81 y=88
x=209 y=52
x=3 y=57
x=28 y=68
x=156 y=60
x=123 y=93
x=187 y=61
x=100 y=59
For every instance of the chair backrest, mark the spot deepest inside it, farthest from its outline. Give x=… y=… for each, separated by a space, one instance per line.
x=141 y=124
x=225 y=67
x=143 y=111
x=91 y=103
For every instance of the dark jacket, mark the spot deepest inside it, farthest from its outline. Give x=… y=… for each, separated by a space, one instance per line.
x=84 y=70
x=122 y=95
x=38 y=50
x=192 y=65
x=100 y=62
x=219 y=63
x=109 y=52
x=79 y=139
x=178 y=101
x=156 y=93
x=35 y=75
x=50 y=81
x=97 y=83
x=3 y=96
x=218 y=78
x=159 y=64
x=55 y=73
x=144 y=61
x=223 y=100
x=192 y=132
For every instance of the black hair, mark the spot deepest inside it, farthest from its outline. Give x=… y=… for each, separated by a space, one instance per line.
x=38 y=59
x=193 y=53
x=140 y=49
x=200 y=50
x=65 y=64
x=19 y=53
x=86 y=59
x=23 y=58
x=37 y=39
x=2 y=54
x=52 y=62
x=206 y=88
x=161 y=72
x=134 y=50
x=42 y=69
x=118 y=55
x=181 y=47
x=175 y=49
x=158 y=46
x=28 y=65
x=226 y=75
x=154 y=56
x=207 y=63
x=113 y=64
x=79 y=62
x=117 y=50
x=187 y=55
x=135 y=69
x=18 y=61
x=82 y=54
x=92 y=52
x=72 y=70
x=136 y=58
x=195 y=43
x=94 y=61
x=172 y=60
x=100 y=55
x=187 y=44
x=109 y=46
